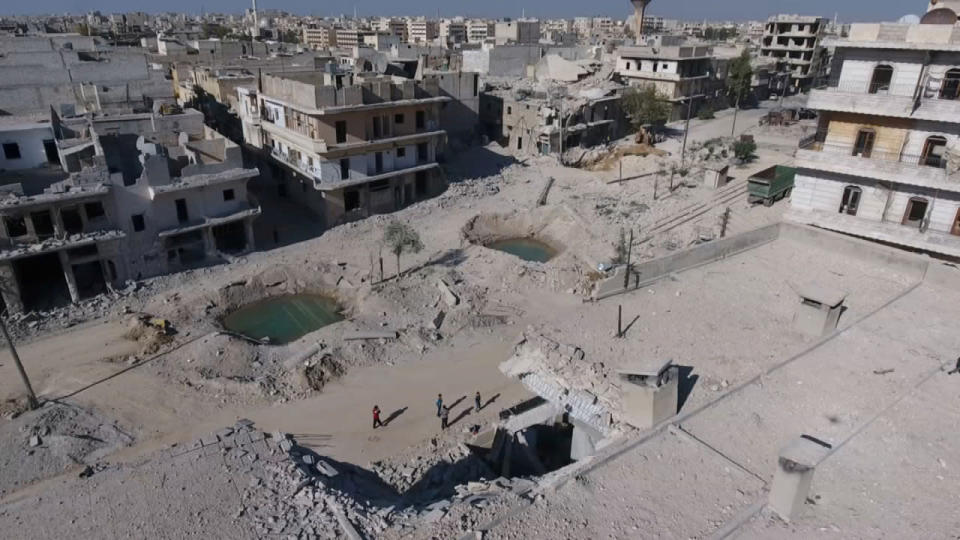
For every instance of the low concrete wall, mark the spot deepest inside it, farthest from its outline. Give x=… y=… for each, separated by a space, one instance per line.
x=657 y=269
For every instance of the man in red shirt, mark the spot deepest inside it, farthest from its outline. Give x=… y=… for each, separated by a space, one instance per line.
x=376 y=417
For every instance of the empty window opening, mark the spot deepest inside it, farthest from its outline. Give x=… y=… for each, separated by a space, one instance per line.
x=519 y=143
x=351 y=200
x=72 y=222
x=378 y=162
x=398 y=119
x=43 y=285
x=422 y=154
x=229 y=195
x=377 y=127
x=89 y=279
x=341 y=127
x=11 y=150
x=16 y=226
x=138 y=222
x=864 y=145
x=50 y=149
x=401 y=152
x=851 y=200
x=916 y=212
x=42 y=224
x=933 y=152
x=182 y=215
x=950 y=87
x=882 y=76
x=420 y=184
x=344 y=169
x=421 y=119
x=94 y=210
x=230 y=238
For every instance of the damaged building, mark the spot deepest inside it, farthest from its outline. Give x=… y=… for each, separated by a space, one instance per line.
x=350 y=146
x=146 y=194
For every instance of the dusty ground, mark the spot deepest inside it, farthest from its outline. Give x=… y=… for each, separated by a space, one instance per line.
x=202 y=379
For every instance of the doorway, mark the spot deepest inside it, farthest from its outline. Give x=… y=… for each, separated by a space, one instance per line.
x=851 y=200
x=50 y=149
x=916 y=212
x=864 y=144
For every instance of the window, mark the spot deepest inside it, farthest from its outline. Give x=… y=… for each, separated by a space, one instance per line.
x=228 y=195
x=519 y=143
x=138 y=223
x=950 y=87
x=851 y=200
x=377 y=128
x=351 y=200
x=916 y=212
x=628 y=66
x=422 y=152
x=509 y=109
x=398 y=119
x=476 y=84
x=864 y=145
x=42 y=223
x=341 y=127
x=344 y=169
x=880 y=84
x=401 y=152
x=421 y=119
x=378 y=159
x=94 y=210
x=933 y=150
x=11 y=150
x=420 y=183
x=182 y=215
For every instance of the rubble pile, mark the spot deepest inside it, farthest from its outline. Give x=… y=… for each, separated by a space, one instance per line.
x=46 y=442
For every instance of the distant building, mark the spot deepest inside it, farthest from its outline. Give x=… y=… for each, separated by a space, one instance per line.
x=680 y=72
x=477 y=31
x=453 y=31
x=520 y=31
x=794 y=42
x=422 y=30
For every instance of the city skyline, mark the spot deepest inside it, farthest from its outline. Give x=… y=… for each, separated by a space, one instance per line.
x=883 y=10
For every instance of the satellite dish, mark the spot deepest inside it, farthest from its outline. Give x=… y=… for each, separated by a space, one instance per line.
x=909 y=19
x=940 y=16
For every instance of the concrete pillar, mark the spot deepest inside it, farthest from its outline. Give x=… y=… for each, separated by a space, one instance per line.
x=248 y=232
x=791 y=481
x=9 y=288
x=507 y=456
x=209 y=243
x=68 y=276
x=28 y=221
x=59 y=230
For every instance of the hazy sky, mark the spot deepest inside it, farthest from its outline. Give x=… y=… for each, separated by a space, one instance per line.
x=848 y=10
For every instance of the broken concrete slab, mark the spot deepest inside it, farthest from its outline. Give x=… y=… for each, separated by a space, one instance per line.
x=369 y=334
x=449 y=297
x=437 y=321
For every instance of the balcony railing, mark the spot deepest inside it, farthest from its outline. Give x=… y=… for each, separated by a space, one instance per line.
x=302 y=166
x=818 y=143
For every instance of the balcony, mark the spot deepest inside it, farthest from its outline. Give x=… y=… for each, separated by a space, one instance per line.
x=880 y=99
x=926 y=171
x=305 y=168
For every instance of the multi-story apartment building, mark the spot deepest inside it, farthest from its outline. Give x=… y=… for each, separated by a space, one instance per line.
x=453 y=31
x=349 y=37
x=653 y=25
x=348 y=146
x=422 y=30
x=794 y=42
x=583 y=26
x=146 y=194
x=319 y=37
x=520 y=31
x=394 y=27
x=603 y=25
x=680 y=72
x=884 y=163
x=477 y=31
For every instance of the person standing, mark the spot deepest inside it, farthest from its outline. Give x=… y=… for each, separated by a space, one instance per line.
x=439 y=404
x=376 y=417
x=444 y=416
x=476 y=399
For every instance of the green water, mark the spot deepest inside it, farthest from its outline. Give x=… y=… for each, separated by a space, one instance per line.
x=527 y=249
x=283 y=319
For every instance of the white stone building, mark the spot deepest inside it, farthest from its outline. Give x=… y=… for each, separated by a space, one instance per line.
x=681 y=72
x=884 y=162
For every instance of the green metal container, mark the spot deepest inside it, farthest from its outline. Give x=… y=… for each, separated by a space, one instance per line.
x=770 y=185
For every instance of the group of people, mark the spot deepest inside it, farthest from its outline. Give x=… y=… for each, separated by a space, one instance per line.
x=443 y=412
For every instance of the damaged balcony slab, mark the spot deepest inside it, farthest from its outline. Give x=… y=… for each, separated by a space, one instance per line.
x=55 y=244
x=204 y=180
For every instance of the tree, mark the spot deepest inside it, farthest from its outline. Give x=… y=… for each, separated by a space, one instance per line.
x=739 y=79
x=743 y=150
x=291 y=36
x=401 y=238
x=646 y=106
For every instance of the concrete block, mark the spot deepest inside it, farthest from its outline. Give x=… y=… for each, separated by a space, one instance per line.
x=649 y=401
x=448 y=295
x=286 y=445
x=794 y=474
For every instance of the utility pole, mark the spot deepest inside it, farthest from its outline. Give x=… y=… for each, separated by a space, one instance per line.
x=686 y=131
x=626 y=275
x=31 y=397
x=736 y=109
x=561 y=130
x=724 y=222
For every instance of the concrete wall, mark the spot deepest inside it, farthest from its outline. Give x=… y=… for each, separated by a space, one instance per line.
x=30 y=143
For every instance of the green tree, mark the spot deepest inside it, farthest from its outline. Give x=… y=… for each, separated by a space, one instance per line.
x=401 y=238
x=646 y=106
x=743 y=150
x=291 y=36
x=739 y=79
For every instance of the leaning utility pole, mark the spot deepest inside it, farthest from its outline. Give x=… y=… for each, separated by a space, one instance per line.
x=686 y=130
x=31 y=397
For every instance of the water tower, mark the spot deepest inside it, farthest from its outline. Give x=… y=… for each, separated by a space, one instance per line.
x=639 y=6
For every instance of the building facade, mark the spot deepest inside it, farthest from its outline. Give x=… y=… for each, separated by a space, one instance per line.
x=883 y=164
x=520 y=31
x=681 y=73
x=347 y=146
x=793 y=41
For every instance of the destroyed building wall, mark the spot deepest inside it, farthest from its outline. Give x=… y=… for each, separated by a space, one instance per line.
x=22 y=144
